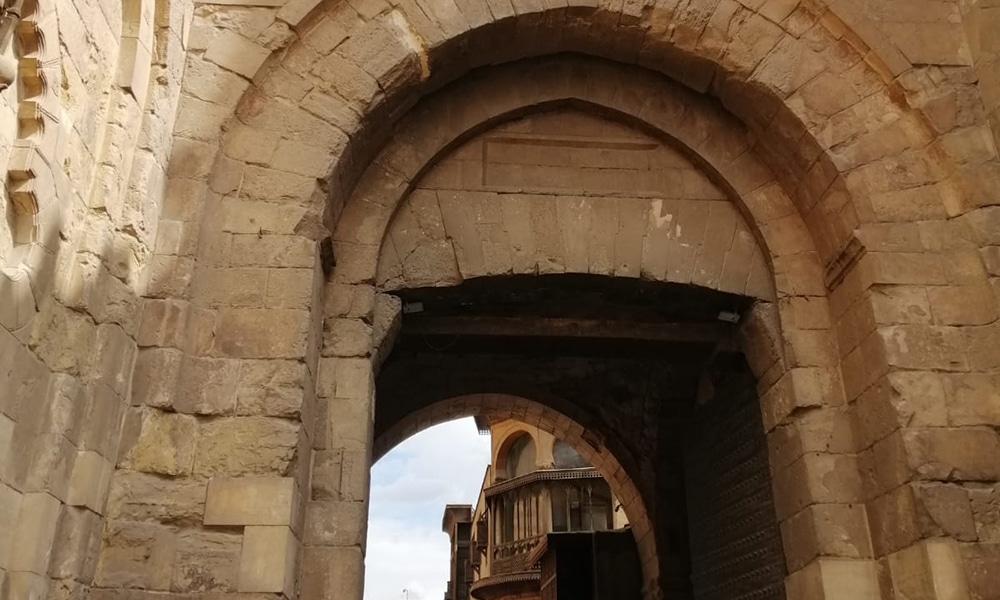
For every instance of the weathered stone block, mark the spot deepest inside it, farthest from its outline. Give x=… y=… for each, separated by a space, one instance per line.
x=800 y=388
x=924 y=347
x=246 y=446
x=289 y=288
x=954 y=454
x=79 y=535
x=816 y=478
x=326 y=474
x=981 y=564
x=985 y=501
x=25 y=585
x=142 y=497
x=137 y=555
x=891 y=519
x=236 y=53
x=346 y=337
x=273 y=388
x=262 y=333
x=332 y=572
x=206 y=561
x=102 y=420
x=963 y=305
x=971 y=398
x=34 y=534
x=355 y=475
x=345 y=378
x=155 y=377
x=945 y=509
x=207 y=386
x=825 y=530
x=835 y=579
x=229 y=287
x=268 y=561
x=73 y=359
x=250 y=501
x=10 y=508
x=287 y=251
x=89 y=483
x=165 y=443
x=351 y=422
x=929 y=569
x=162 y=323
x=42 y=462
x=334 y=523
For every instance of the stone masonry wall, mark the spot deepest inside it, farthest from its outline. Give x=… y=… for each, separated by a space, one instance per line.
x=85 y=161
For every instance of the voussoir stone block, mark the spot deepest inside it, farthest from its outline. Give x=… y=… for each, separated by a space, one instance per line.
x=79 y=535
x=34 y=534
x=10 y=508
x=250 y=501
x=89 y=482
x=236 y=53
x=834 y=579
x=929 y=569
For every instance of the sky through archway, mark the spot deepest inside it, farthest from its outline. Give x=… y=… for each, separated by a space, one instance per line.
x=410 y=487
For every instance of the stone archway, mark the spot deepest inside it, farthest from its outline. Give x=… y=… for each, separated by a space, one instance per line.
x=845 y=169
x=628 y=389
x=795 y=373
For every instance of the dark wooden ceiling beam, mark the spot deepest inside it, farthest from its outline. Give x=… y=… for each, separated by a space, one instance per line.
x=704 y=333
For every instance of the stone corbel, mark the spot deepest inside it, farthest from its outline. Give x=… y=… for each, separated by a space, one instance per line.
x=10 y=16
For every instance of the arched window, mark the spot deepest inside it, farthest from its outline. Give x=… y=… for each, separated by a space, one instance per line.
x=565 y=457
x=521 y=457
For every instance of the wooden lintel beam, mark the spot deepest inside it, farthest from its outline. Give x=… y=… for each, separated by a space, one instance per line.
x=711 y=333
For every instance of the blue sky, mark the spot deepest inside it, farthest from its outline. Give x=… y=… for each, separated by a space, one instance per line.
x=410 y=487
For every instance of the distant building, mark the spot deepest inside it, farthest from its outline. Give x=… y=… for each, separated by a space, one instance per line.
x=539 y=504
x=457 y=523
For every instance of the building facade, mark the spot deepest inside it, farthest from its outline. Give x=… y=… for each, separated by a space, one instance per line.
x=535 y=485
x=457 y=523
x=230 y=226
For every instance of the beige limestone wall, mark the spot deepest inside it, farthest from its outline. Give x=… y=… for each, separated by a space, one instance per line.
x=84 y=174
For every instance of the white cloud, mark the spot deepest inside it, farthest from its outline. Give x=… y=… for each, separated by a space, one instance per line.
x=410 y=487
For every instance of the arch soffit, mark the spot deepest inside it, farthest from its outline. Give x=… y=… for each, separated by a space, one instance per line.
x=715 y=142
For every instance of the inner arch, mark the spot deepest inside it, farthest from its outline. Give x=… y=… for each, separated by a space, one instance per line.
x=621 y=369
x=567 y=189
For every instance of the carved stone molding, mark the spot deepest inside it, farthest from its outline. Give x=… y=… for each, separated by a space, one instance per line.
x=32 y=168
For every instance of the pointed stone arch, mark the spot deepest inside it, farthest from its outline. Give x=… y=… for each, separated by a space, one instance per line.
x=797 y=367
